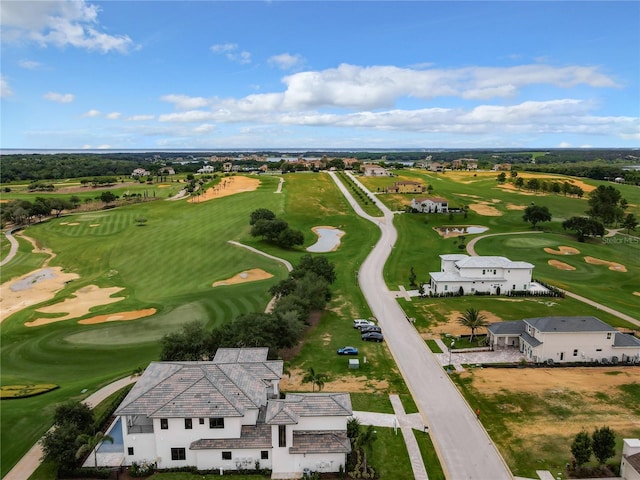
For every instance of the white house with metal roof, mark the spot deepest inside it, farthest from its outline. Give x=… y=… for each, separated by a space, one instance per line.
x=565 y=340
x=488 y=274
x=430 y=205
x=227 y=414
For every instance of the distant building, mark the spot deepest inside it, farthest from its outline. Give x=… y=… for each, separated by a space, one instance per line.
x=430 y=205
x=435 y=167
x=502 y=167
x=207 y=169
x=373 y=170
x=406 y=187
x=140 y=172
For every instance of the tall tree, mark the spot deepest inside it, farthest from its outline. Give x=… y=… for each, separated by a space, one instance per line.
x=88 y=444
x=603 y=443
x=607 y=204
x=535 y=214
x=581 y=448
x=315 y=379
x=630 y=222
x=584 y=227
x=474 y=320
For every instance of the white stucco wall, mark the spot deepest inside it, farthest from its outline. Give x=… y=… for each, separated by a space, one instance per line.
x=246 y=458
x=586 y=344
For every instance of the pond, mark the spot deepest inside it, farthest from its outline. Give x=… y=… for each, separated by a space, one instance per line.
x=328 y=239
x=455 y=231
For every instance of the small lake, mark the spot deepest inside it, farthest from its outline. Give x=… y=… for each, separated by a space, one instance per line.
x=460 y=230
x=328 y=239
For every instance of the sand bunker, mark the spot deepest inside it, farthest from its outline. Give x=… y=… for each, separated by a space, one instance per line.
x=616 y=267
x=118 y=317
x=32 y=288
x=513 y=206
x=561 y=265
x=485 y=209
x=247 y=276
x=562 y=250
x=227 y=186
x=78 y=305
x=637 y=293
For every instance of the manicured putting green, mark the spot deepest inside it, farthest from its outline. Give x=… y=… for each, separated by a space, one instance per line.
x=529 y=242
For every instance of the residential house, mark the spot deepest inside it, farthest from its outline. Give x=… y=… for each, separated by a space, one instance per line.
x=166 y=171
x=227 y=166
x=140 y=172
x=630 y=466
x=472 y=165
x=430 y=205
x=207 y=169
x=406 y=187
x=373 y=170
x=502 y=167
x=457 y=164
x=436 y=167
x=565 y=339
x=227 y=414
x=492 y=275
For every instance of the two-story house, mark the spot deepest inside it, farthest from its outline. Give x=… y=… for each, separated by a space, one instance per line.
x=227 y=414
x=493 y=275
x=406 y=186
x=565 y=339
x=430 y=205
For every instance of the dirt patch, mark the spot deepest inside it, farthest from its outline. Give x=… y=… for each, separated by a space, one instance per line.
x=562 y=250
x=32 y=288
x=326 y=339
x=485 y=209
x=513 y=206
x=78 y=305
x=561 y=265
x=227 y=186
x=453 y=327
x=119 y=317
x=362 y=384
x=616 y=267
x=247 y=276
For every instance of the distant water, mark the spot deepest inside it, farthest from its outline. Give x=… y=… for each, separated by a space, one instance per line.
x=328 y=240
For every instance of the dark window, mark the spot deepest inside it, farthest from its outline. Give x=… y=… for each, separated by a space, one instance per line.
x=216 y=423
x=575 y=353
x=226 y=455
x=282 y=436
x=178 y=454
x=164 y=423
x=129 y=450
x=202 y=421
x=264 y=455
x=188 y=424
x=598 y=349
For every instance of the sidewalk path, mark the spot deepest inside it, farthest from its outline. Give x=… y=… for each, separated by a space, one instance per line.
x=471 y=251
x=259 y=252
x=31 y=460
x=13 y=250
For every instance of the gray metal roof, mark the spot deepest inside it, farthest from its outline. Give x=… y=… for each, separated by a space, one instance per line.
x=320 y=441
x=200 y=389
x=625 y=340
x=569 y=324
x=532 y=341
x=507 y=328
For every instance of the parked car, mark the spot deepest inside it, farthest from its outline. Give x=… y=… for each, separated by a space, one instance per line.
x=348 y=351
x=360 y=322
x=372 y=337
x=370 y=328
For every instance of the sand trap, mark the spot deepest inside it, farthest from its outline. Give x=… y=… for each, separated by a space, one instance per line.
x=328 y=239
x=32 y=288
x=247 y=276
x=560 y=265
x=227 y=186
x=513 y=206
x=616 y=267
x=94 y=225
x=78 y=305
x=485 y=209
x=637 y=293
x=163 y=185
x=118 y=317
x=73 y=224
x=562 y=250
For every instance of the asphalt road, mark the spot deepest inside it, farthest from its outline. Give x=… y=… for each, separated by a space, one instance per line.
x=463 y=445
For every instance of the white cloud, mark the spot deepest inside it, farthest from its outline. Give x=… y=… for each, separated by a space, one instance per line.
x=59 y=97
x=564 y=145
x=92 y=113
x=184 y=102
x=60 y=23
x=232 y=52
x=204 y=128
x=140 y=118
x=30 y=64
x=5 y=88
x=113 y=115
x=286 y=61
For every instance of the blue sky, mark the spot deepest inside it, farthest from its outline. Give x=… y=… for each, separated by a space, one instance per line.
x=366 y=74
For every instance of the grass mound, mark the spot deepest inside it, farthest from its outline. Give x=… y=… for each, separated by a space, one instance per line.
x=25 y=391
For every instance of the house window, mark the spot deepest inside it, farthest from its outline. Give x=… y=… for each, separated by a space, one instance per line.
x=446 y=287
x=514 y=287
x=164 y=423
x=178 y=454
x=216 y=423
x=608 y=335
x=188 y=424
x=226 y=455
x=264 y=455
x=598 y=349
x=282 y=435
x=202 y=421
x=129 y=450
x=575 y=353
x=484 y=272
x=494 y=272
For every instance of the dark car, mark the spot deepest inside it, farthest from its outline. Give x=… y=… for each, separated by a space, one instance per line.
x=372 y=337
x=371 y=328
x=348 y=351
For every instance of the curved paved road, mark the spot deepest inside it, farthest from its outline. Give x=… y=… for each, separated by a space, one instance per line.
x=465 y=449
x=14 y=245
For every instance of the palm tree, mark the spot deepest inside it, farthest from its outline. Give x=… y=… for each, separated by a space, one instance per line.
x=364 y=441
x=88 y=443
x=473 y=319
x=315 y=379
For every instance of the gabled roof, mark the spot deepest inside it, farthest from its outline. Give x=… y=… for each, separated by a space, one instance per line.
x=532 y=341
x=287 y=410
x=200 y=389
x=625 y=340
x=507 y=328
x=569 y=324
x=454 y=256
x=251 y=436
x=241 y=355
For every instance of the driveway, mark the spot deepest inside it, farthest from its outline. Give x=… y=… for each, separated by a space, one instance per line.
x=464 y=447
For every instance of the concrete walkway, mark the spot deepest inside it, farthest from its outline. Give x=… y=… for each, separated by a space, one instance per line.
x=13 y=250
x=31 y=460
